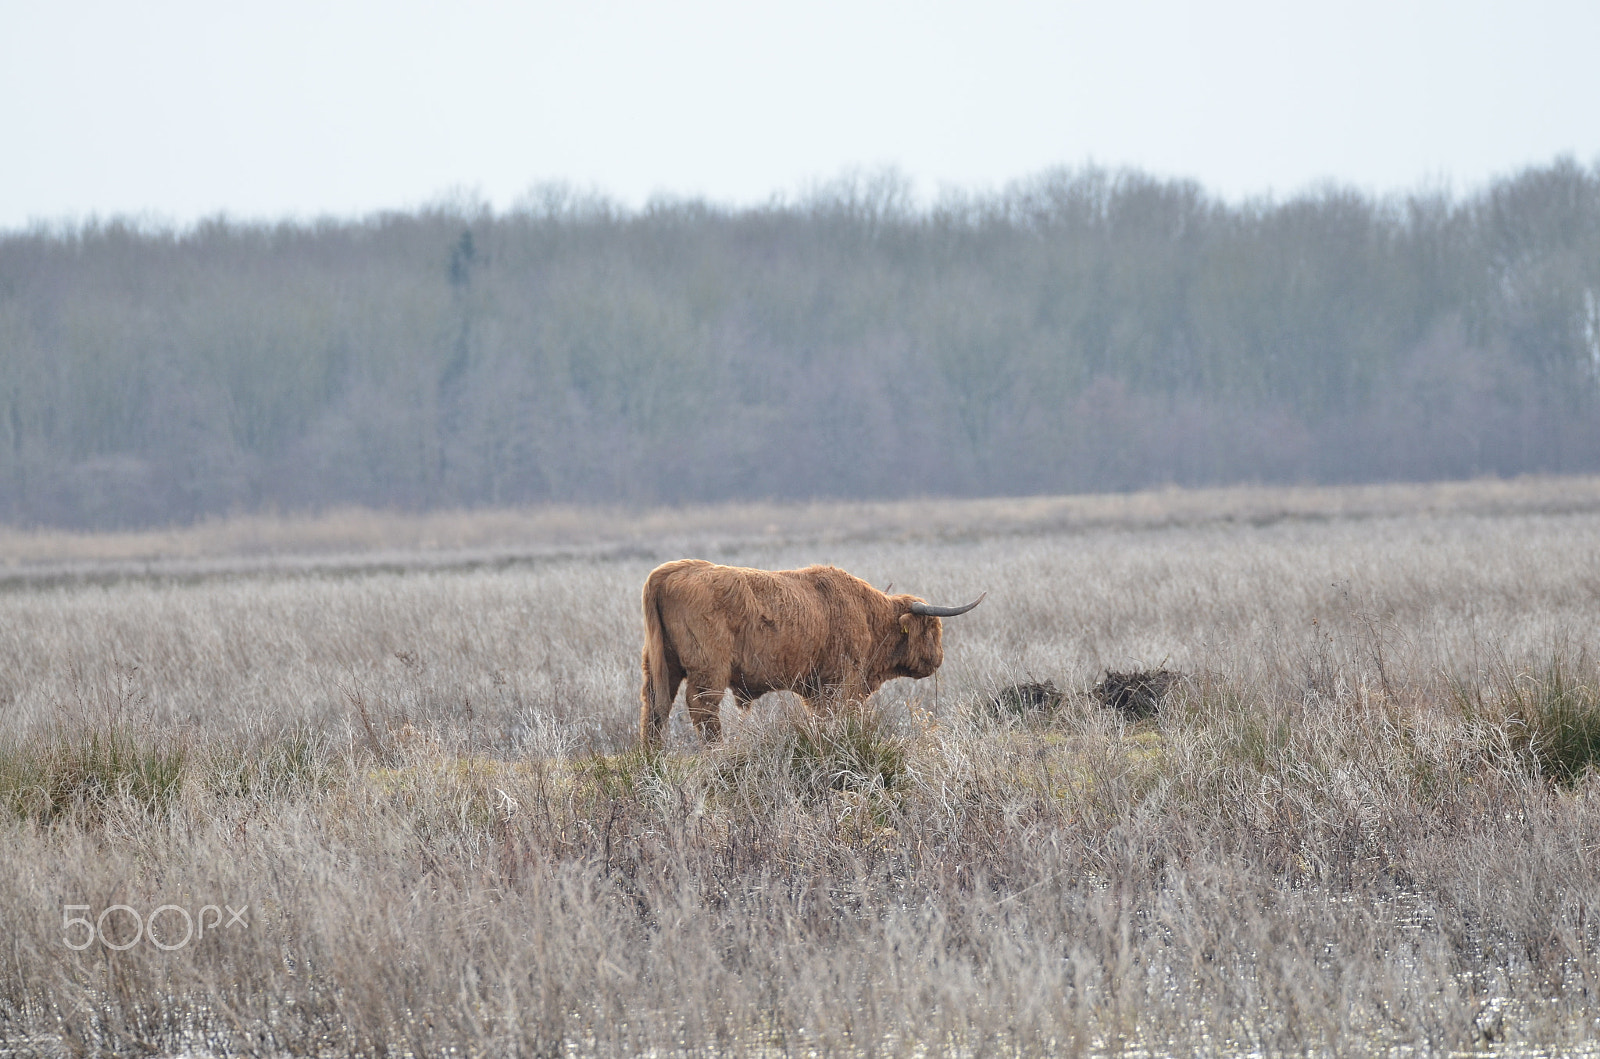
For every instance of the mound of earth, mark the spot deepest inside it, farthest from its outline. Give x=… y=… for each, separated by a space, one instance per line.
x=1138 y=693
x=1026 y=698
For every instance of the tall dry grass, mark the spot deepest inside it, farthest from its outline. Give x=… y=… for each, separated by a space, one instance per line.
x=1366 y=820
x=362 y=538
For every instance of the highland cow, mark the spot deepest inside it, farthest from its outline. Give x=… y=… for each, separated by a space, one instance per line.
x=819 y=632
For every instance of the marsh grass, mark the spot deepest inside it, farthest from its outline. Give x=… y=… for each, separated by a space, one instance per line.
x=355 y=539
x=1546 y=717
x=293 y=762
x=1343 y=833
x=1277 y=884
x=94 y=756
x=857 y=749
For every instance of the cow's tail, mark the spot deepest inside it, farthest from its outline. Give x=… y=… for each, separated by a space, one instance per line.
x=657 y=693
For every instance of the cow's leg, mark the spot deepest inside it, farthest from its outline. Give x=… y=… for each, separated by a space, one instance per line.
x=655 y=709
x=705 y=708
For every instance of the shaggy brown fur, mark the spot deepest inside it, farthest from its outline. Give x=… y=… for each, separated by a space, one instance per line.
x=827 y=636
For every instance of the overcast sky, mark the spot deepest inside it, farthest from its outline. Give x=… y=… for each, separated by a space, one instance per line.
x=178 y=110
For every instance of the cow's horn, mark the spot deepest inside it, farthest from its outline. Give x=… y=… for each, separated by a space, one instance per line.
x=919 y=607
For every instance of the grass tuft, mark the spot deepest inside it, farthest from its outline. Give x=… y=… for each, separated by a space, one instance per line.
x=858 y=749
x=85 y=773
x=293 y=761
x=1551 y=720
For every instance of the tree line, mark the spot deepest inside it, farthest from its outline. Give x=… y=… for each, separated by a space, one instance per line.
x=1083 y=329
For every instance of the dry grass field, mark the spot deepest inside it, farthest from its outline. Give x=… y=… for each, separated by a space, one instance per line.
x=1365 y=821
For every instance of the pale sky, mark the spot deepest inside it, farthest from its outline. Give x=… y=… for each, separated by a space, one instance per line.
x=174 y=111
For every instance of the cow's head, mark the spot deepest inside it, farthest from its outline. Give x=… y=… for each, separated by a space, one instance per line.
x=919 y=646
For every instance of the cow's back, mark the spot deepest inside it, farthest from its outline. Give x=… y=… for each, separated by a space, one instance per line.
x=766 y=629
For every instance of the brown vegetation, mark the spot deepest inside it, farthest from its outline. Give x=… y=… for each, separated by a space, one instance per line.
x=358 y=538
x=1367 y=823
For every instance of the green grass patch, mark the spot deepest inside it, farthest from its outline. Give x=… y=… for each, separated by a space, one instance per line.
x=69 y=773
x=1550 y=719
x=855 y=750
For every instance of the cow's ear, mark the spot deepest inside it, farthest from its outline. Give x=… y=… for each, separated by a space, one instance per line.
x=905 y=623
